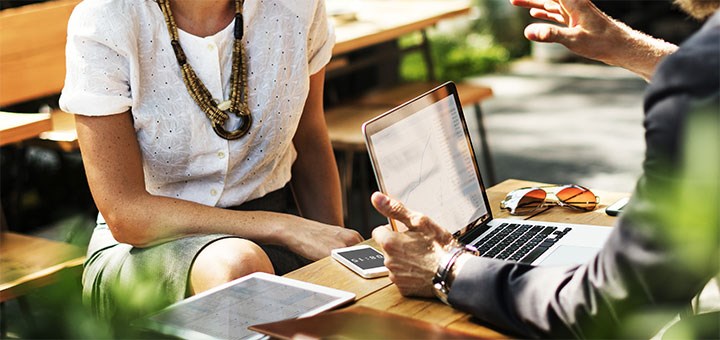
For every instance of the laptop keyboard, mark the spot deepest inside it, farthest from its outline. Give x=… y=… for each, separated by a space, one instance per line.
x=519 y=242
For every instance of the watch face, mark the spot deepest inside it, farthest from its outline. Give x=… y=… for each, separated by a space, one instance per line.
x=366 y=258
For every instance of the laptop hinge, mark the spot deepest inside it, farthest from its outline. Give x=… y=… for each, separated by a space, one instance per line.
x=474 y=230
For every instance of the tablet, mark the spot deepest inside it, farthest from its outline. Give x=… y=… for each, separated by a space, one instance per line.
x=226 y=311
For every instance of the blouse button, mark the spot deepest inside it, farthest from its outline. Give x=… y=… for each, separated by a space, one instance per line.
x=220 y=155
x=213 y=192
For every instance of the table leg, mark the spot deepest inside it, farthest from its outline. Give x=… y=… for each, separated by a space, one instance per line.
x=427 y=55
x=485 y=148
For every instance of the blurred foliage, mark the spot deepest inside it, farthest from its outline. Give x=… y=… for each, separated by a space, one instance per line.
x=454 y=58
x=504 y=24
x=484 y=44
x=59 y=312
x=685 y=218
x=697 y=195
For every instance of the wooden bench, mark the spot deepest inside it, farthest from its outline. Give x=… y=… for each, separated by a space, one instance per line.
x=29 y=263
x=32 y=62
x=471 y=95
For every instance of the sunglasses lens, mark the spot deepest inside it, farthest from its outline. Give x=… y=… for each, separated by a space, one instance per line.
x=530 y=201
x=578 y=197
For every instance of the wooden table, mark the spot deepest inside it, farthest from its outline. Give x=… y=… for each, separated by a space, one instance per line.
x=381 y=294
x=382 y=20
x=17 y=127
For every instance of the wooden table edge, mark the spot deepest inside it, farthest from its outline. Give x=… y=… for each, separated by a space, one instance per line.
x=346 y=46
x=28 y=130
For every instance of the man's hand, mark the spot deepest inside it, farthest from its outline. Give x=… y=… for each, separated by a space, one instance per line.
x=588 y=32
x=583 y=28
x=412 y=256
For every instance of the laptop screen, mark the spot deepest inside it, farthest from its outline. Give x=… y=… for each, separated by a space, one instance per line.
x=422 y=155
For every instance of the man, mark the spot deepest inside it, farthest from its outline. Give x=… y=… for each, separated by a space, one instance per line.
x=663 y=249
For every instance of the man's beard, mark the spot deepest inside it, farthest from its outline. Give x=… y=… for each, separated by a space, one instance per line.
x=699 y=9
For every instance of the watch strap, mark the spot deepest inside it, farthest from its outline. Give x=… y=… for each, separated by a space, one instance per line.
x=441 y=285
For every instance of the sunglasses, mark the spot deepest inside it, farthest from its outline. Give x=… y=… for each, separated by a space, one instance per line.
x=525 y=201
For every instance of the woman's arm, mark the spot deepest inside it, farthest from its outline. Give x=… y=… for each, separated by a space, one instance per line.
x=113 y=164
x=315 y=178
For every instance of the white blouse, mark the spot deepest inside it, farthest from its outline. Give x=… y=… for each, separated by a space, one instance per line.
x=119 y=58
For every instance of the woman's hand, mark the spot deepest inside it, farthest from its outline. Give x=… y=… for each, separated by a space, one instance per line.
x=314 y=240
x=411 y=257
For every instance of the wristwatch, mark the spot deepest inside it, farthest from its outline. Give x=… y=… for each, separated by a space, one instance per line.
x=441 y=282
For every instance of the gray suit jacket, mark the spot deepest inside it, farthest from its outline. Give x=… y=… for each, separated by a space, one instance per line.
x=663 y=249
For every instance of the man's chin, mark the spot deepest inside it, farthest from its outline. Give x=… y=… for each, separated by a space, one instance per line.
x=698 y=9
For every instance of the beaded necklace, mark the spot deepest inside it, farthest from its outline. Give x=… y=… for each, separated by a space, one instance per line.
x=238 y=102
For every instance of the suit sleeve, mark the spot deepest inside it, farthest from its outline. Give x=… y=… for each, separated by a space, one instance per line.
x=663 y=249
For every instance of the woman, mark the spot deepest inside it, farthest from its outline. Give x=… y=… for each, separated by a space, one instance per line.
x=186 y=108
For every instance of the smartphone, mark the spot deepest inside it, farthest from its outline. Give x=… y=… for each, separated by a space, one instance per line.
x=363 y=260
x=616 y=208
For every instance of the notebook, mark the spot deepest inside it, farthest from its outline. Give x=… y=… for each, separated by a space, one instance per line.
x=358 y=322
x=422 y=155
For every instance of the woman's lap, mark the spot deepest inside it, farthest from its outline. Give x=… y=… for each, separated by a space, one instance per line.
x=122 y=278
x=119 y=278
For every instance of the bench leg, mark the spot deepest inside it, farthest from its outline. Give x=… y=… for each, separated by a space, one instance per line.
x=3 y=321
x=25 y=310
x=347 y=172
x=346 y=183
x=365 y=196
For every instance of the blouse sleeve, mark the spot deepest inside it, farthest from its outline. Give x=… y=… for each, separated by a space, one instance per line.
x=321 y=39
x=97 y=65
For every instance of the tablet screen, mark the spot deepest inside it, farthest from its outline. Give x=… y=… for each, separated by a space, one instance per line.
x=227 y=311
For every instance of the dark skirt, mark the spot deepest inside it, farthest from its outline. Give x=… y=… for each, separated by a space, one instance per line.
x=121 y=279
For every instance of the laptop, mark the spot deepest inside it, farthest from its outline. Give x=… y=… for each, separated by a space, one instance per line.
x=422 y=155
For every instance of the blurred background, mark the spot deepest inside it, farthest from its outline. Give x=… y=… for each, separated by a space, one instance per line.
x=554 y=117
